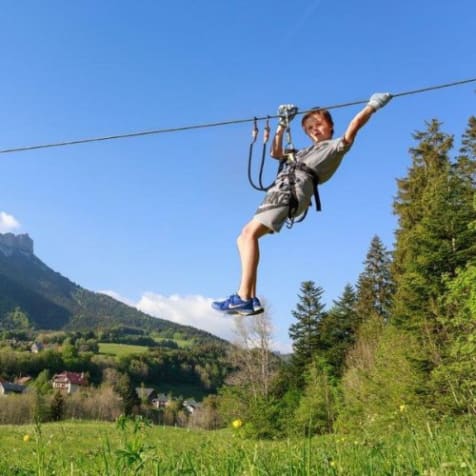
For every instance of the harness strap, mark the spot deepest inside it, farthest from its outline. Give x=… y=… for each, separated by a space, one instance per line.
x=315 y=182
x=293 y=201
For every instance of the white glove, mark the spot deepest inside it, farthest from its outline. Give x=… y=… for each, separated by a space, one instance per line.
x=379 y=100
x=286 y=113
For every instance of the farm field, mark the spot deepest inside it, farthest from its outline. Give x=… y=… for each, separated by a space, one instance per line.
x=120 y=350
x=133 y=447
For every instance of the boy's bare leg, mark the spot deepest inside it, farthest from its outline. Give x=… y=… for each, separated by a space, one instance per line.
x=248 y=248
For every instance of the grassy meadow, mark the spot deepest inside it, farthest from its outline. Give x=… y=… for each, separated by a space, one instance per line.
x=132 y=447
x=121 y=350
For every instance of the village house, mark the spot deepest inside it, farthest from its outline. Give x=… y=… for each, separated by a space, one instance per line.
x=161 y=401
x=146 y=394
x=7 y=388
x=23 y=380
x=69 y=382
x=191 y=405
x=37 y=347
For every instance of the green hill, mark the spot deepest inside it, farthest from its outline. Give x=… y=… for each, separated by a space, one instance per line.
x=53 y=302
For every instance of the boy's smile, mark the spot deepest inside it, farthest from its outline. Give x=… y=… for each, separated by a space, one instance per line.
x=317 y=128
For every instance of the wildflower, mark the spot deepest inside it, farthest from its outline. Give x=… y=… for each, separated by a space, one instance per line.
x=237 y=423
x=402 y=408
x=26 y=438
x=333 y=464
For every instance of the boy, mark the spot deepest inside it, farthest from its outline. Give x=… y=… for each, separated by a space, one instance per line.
x=291 y=193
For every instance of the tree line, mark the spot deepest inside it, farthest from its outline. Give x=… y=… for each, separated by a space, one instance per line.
x=400 y=343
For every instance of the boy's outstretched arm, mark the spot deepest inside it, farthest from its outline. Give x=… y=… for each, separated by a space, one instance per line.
x=376 y=101
x=277 y=150
x=286 y=113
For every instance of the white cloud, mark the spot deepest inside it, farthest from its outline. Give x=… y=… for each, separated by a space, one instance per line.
x=118 y=297
x=282 y=347
x=192 y=311
x=195 y=311
x=8 y=222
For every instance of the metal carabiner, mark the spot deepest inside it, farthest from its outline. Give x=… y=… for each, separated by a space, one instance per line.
x=266 y=131
x=289 y=149
x=266 y=134
x=255 y=131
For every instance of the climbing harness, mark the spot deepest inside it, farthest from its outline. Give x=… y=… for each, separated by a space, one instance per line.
x=294 y=203
x=287 y=168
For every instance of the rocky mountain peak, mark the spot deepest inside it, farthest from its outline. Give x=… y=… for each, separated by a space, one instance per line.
x=11 y=243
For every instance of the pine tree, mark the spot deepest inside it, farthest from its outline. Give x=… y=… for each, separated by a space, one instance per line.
x=305 y=332
x=465 y=177
x=124 y=388
x=453 y=381
x=57 y=406
x=337 y=331
x=466 y=163
x=433 y=241
x=421 y=204
x=375 y=286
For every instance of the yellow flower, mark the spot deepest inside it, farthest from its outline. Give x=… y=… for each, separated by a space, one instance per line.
x=333 y=464
x=237 y=423
x=402 y=408
x=26 y=438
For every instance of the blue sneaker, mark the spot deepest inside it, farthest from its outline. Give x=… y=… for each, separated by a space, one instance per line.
x=257 y=307
x=235 y=305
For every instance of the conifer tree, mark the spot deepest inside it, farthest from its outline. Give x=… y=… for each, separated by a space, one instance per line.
x=465 y=178
x=466 y=163
x=337 y=330
x=453 y=381
x=57 y=406
x=420 y=208
x=305 y=332
x=124 y=388
x=375 y=285
x=434 y=209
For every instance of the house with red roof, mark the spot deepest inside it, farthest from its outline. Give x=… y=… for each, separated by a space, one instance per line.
x=69 y=382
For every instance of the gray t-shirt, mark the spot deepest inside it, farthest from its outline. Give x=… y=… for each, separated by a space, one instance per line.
x=323 y=158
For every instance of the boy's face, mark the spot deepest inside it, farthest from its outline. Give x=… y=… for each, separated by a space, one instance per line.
x=317 y=128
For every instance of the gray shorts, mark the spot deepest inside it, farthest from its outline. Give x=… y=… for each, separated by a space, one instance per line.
x=273 y=218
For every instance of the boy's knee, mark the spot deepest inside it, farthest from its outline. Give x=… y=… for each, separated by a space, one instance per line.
x=247 y=232
x=252 y=231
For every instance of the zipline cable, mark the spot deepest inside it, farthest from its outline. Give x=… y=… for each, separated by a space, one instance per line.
x=215 y=124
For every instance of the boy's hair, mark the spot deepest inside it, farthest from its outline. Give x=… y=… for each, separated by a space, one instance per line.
x=324 y=113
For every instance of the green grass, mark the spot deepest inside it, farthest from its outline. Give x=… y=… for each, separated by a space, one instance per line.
x=120 y=350
x=133 y=448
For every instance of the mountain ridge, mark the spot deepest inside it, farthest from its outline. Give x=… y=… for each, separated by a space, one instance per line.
x=53 y=302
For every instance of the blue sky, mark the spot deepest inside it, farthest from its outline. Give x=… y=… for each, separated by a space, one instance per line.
x=154 y=219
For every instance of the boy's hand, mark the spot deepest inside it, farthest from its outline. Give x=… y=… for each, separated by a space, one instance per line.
x=379 y=100
x=286 y=113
